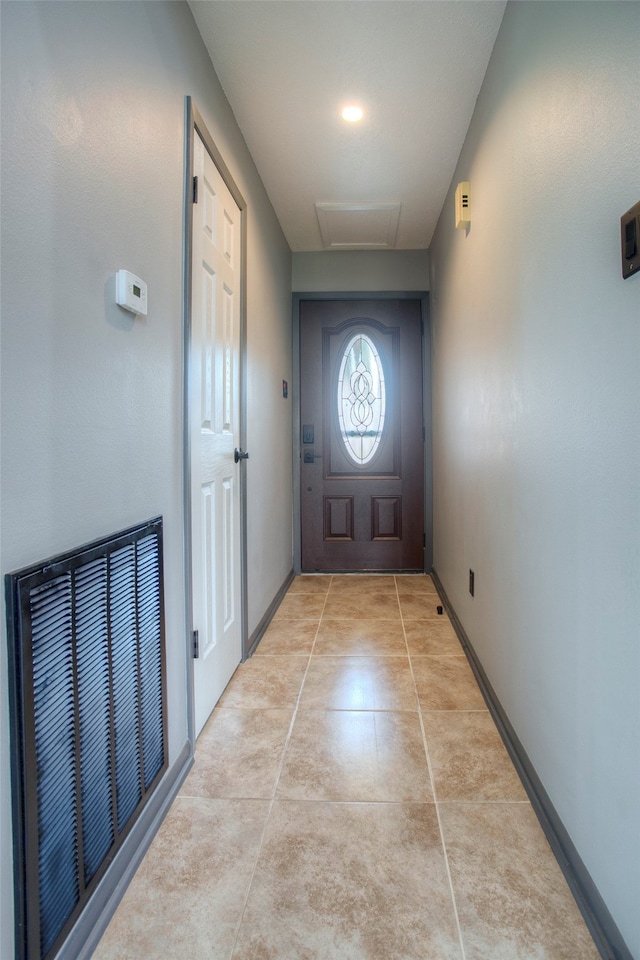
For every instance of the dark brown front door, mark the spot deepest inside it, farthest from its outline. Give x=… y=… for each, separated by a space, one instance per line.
x=362 y=448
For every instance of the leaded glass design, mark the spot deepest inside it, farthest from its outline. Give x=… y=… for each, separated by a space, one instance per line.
x=361 y=398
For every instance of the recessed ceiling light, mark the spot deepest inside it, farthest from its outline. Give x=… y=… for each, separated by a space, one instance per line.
x=352 y=114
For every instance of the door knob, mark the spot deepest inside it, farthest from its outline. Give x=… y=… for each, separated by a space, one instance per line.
x=240 y=455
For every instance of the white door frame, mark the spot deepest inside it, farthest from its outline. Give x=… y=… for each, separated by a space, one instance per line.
x=193 y=123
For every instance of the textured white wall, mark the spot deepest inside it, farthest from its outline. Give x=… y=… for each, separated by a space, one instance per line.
x=360 y=270
x=92 y=180
x=536 y=411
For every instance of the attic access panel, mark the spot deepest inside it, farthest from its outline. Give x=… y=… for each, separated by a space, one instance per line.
x=358 y=225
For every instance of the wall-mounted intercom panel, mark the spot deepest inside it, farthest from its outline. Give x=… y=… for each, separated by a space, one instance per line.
x=630 y=241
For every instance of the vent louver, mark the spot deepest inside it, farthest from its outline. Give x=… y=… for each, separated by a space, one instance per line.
x=88 y=718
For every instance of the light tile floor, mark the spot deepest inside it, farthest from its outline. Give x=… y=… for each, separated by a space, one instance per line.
x=351 y=799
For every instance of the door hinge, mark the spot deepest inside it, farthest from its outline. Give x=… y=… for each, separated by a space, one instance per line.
x=195 y=189
x=196 y=645
x=424 y=540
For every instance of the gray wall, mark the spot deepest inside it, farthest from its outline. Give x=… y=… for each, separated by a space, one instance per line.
x=359 y=270
x=92 y=181
x=536 y=412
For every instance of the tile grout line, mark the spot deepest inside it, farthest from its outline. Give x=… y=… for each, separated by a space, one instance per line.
x=276 y=782
x=433 y=788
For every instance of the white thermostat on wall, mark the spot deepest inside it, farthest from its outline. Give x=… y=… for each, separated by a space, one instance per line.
x=131 y=292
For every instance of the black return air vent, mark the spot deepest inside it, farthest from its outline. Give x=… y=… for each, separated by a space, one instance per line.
x=88 y=721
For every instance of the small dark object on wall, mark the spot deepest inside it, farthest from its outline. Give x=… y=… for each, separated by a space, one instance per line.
x=630 y=241
x=439 y=609
x=285 y=389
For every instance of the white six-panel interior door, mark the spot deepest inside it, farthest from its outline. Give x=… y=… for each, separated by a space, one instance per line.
x=214 y=403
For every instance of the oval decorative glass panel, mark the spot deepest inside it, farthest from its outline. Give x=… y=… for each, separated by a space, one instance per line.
x=361 y=398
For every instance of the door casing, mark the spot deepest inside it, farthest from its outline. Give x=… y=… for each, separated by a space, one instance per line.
x=194 y=122
x=423 y=297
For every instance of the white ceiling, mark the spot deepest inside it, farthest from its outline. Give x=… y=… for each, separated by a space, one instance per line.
x=415 y=66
